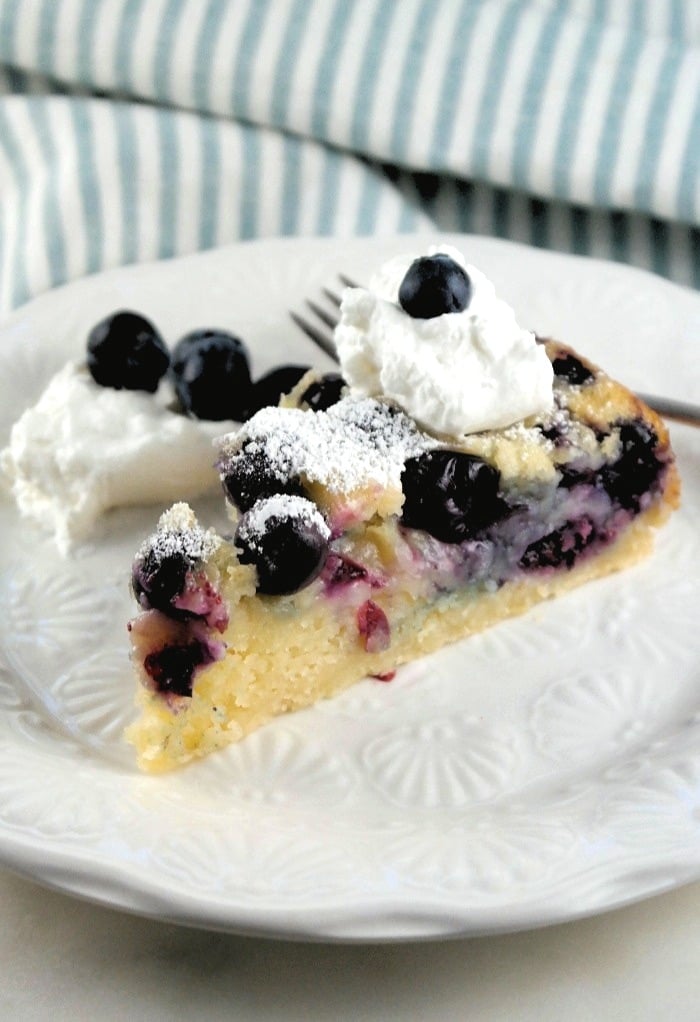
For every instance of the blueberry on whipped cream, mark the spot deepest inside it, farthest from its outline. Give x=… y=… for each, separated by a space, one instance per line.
x=211 y=375
x=103 y=434
x=434 y=285
x=125 y=351
x=462 y=370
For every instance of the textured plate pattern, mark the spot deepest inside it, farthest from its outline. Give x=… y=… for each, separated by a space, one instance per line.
x=546 y=769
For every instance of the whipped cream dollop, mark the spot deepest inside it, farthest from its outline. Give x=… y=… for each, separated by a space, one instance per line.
x=458 y=373
x=83 y=449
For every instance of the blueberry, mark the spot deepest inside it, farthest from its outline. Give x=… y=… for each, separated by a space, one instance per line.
x=172 y=668
x=555 y=433
x=560 y=547
x=373 y=626
x=340 y=571
x=636 y=467
x=269 y=388
x=125 y=351
x=569 y=368
x=451 y=495
x=575 y=475
x=250 y=476
x=323 y=393
x=158 y=579
x=211 y=375
x=288 y=553
x=434 y=285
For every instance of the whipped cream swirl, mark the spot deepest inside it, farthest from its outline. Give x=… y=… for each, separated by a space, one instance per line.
x=458 y=373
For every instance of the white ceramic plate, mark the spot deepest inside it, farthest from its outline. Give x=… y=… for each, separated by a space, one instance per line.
x=542 y=771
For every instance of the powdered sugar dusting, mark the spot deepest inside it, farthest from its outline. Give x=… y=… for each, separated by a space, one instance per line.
x=179 y=532
x=354 y=443
x=254 y=524
x=526 y=435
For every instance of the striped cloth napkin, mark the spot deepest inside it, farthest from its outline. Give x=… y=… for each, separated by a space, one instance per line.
x=140 y=129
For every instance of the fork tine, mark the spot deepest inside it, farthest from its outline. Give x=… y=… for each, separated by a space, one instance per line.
x=320 y=339
x=332 y=296
x=330 y=320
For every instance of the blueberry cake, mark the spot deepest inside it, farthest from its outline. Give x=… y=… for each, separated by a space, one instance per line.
x=362 y=537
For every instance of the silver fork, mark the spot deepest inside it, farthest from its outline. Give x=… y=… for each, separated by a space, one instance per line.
x=321 y=333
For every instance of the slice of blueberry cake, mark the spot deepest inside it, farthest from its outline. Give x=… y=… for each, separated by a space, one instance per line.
x=378 y=515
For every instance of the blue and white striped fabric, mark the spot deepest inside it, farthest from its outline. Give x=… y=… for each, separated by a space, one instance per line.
x=140 y=129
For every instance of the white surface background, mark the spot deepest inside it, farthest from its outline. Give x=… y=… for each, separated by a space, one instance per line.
x=63 y=959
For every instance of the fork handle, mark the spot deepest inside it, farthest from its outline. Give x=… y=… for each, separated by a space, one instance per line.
x=680 y=411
